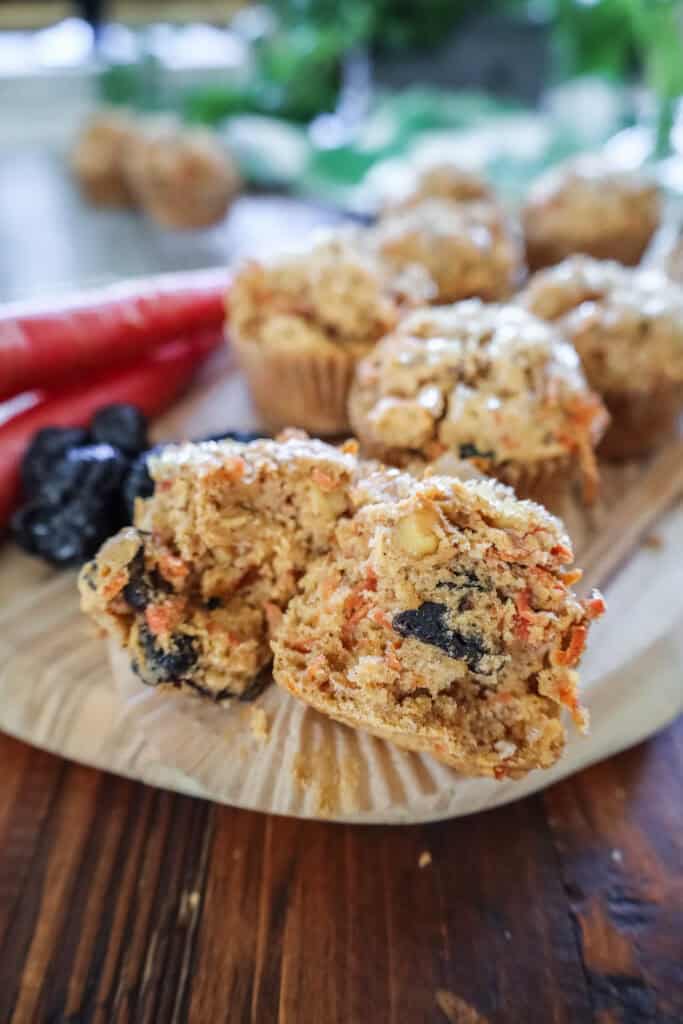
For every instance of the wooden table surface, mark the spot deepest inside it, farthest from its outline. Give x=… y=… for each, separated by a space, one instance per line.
x=119 y=902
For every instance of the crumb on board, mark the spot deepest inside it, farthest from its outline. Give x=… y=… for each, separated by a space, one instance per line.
x=457 y=1010
x=259 y=724
x=425 y=859
x=652 y=541
x=334 y=785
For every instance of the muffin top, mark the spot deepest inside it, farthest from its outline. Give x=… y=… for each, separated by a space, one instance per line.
x=467 y=248
x=336 y=292
x=444 y=179
x=627 y=324
x=491 y=382
x=584 y=201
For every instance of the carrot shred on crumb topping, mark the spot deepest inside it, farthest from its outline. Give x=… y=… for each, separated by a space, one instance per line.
x=115 y=585
x=325 y=481
x=380 y=618
x=172 y=568
x=392 y=659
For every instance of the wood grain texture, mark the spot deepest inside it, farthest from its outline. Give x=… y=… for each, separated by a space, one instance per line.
x=120 y=903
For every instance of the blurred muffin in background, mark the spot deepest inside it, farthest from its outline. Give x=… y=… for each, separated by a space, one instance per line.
x=181 y=177
x=491 y=384
x=469 y=249
x=443 y=180
x=300 y=321
x=99 y=156
x=585 y=206
x=627 y=326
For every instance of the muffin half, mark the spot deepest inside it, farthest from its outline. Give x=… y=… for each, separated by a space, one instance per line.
x=442 y=619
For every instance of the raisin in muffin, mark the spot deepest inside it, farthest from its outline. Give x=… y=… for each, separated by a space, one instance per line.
x=442 y=619
x=195 y=587
x=627 y=326
x=301 y=321
x=181 y=177
x=98 y=158
x=491 y=384
x=584 y=206
x=468 y=249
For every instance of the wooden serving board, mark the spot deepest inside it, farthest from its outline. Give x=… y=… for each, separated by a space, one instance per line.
x=61 y=690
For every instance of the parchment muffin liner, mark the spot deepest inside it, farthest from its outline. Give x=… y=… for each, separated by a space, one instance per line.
x=298 y=389
x=641 y=420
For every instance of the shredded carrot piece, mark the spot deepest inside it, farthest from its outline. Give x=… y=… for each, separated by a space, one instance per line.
x=572 y=576
x=500 y=772
x=165 y=616
x=115 y=585
x=380 y=618
x=571 y=655
x=370 y=579
x=595 y=605
x=324 y=480
x=562 y=553
x=350 y=447
x=392 y=660
x=525 y=614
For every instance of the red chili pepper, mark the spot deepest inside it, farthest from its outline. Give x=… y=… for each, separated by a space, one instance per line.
x=152 y=385
x=104 y=329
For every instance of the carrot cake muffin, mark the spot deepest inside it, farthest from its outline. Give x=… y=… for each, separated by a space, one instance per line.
x=490 y=383
x=627 y=326
x=442 y=180
x=181 y=177
x=584 y=206
x=98 y=158
x=442 y=619
x=301 y=321
x=195 y=587
x=468 y=249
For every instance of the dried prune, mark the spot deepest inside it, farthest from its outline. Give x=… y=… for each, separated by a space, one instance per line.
x=121 y=425
x=65 y=535
x=138 y=482
x=166 y=664
x=47 y=447
x=428 y=623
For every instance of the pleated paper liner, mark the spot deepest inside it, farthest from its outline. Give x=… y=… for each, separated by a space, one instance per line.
x=279 y=756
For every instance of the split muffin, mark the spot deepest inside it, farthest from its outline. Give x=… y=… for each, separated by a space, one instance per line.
x=301 y=321
x=181 y=177
x=489 y=384
x=468 y=249
x=584 y=206
x=627 y=326
x=195 y=588
x=443 y=619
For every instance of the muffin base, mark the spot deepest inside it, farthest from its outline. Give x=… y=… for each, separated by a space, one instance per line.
x=292 y=389
x=628 y=251
x=640 y=421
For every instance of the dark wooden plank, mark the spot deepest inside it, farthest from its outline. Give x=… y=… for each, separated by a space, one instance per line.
x=120 y=903
x=618 y=828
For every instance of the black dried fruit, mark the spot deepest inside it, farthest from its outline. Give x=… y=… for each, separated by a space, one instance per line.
x=470 y=451
x=137 y=592
x=121 y=425
x=213 y=603
x=47 y=447
x=65 y=535
x=138 y=482
x=428 y=624
x=166 y=664
x=77 y=508
x=243 y=436
x=464 y=579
